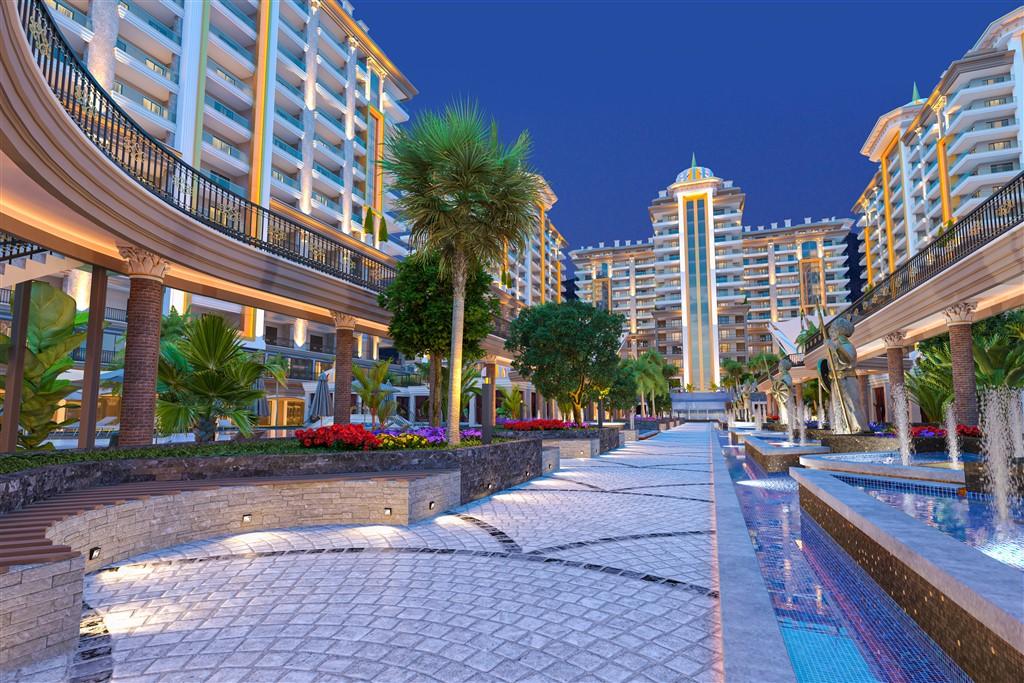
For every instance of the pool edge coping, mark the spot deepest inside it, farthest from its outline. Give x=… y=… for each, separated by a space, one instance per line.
x=746 y=611
x=947 y=563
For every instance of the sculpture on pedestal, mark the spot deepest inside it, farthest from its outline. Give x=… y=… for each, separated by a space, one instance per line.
x=842 y=365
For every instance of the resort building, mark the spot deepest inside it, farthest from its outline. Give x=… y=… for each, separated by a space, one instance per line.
x=940 y=156
x=534 y=273
x=705 y=288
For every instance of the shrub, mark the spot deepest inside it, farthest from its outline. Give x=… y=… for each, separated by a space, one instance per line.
x=343 y=437
x=968 y=430
x=539 y=425
x=927 y=432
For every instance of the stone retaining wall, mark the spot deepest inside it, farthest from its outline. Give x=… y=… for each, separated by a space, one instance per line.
x=41 y=604
x=483 y=469
x=607 y=437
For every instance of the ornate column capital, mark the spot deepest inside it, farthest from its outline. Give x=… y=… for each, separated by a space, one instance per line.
x=894 y=340
x=959 y=314
x=343 y=321
x=143 y=264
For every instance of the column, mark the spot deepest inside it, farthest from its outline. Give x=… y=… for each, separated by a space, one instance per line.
x=344 y=327
x=864 y=387
x=527 y=412
x=412 y=407
x=308 y=113
x=93 y=358
x=104 y=16
x=965 y=390
x=894 y=361
x=141 y=346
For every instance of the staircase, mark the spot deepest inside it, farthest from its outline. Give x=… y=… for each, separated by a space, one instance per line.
x=21 y=261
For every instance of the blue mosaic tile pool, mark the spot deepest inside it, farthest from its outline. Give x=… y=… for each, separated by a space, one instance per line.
x=837 y=624
x=968 y=519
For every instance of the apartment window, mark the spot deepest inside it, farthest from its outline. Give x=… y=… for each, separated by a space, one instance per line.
x=1001 y=168
x=316 y=343
x=270 y=336
x=1000 y=144
x=995 y=102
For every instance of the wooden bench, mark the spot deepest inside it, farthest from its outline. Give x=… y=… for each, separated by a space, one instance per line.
x=48 y=547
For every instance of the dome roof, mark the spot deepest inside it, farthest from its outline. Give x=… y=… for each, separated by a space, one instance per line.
x=695 y=173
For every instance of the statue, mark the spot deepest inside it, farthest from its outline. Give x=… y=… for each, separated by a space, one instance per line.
x=842 y=362
x=746 y=390
x=782 y=386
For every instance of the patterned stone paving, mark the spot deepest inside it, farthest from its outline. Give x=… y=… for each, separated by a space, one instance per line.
x=601 y=572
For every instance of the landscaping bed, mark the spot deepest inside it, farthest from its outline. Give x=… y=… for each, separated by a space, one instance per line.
x=27 y=478
x=607 y=436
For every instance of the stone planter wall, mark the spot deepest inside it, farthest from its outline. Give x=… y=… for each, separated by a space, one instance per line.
x=483 y=469
x=974 y=477
x=860 y=443
x=608 y=437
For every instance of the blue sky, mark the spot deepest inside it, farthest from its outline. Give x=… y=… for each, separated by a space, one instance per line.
x=617 y=95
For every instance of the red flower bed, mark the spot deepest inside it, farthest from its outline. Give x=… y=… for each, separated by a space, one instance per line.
x=537 y=425
x=343 y=437
x=927 y=432
x=968 y=430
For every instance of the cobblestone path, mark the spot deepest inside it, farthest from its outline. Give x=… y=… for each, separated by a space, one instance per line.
x=603 y=571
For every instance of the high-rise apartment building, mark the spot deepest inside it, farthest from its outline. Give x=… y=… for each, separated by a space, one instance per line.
x=535 y=271
x=285 y=103
x=940 y=156
x=704 y=288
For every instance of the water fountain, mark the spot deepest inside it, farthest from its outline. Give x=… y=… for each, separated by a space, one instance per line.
x=998 y=409
x=901 y=415
x=790 y=418
x=1017 y=423
x=952 y=442
x=801 y=423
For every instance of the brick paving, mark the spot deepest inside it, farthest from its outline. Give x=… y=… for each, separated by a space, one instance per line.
x=603 y=571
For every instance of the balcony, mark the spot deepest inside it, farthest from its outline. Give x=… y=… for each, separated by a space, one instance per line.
x=151 y=109
x=144 y=60
x=148 y=22
x=230 y=49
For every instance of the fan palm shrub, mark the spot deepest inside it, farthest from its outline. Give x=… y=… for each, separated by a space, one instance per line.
x=372 y=391
x=511 y=402
x=465 y=196
x=207 y=375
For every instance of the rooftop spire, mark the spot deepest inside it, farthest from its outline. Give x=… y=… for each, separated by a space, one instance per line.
x=693 y=165
x=916 y=95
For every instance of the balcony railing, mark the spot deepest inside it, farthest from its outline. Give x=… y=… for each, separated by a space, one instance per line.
x=12 y=247
x=161 y=172
x=996 y=216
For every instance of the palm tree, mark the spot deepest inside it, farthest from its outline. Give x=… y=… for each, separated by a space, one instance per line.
x=465 y=196
x=372 y=392
x=207 y=375
x=511 y=402
x=470 y=387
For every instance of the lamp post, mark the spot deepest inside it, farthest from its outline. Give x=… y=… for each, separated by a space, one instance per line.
x=487 y=423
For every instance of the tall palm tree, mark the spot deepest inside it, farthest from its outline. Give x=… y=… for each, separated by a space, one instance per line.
x=372 y=390
x=465 y=196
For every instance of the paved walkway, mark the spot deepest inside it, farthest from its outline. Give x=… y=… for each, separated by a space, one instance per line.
x=601 y=572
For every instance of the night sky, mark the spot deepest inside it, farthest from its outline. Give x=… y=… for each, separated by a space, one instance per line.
x=617 y=95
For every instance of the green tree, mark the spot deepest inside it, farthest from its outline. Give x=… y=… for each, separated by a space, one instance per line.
x=420 y=302
x=762 y=365
x=805 y=336
x=568 y=350
x=371 y=390
x=623 y=391
x=206 y=375
x=465 y=196
x=50 y=339
x=734 y=373
x=511 y=402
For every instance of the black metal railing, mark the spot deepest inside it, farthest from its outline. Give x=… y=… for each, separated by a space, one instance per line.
x=12 y=247
x=994 y=217
x=107 y=356
x=151 y=164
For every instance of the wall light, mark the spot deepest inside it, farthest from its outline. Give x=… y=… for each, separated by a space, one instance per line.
x=246 y=518
x=431 y=505
x=94 y=553
x=387 y=512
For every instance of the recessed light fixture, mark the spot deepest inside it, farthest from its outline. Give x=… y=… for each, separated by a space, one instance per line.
x=94 y=553
x=431 y=505
x=387 y=512
x=246 y=518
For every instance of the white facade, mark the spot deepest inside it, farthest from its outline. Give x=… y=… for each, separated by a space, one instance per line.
x=940 y=156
